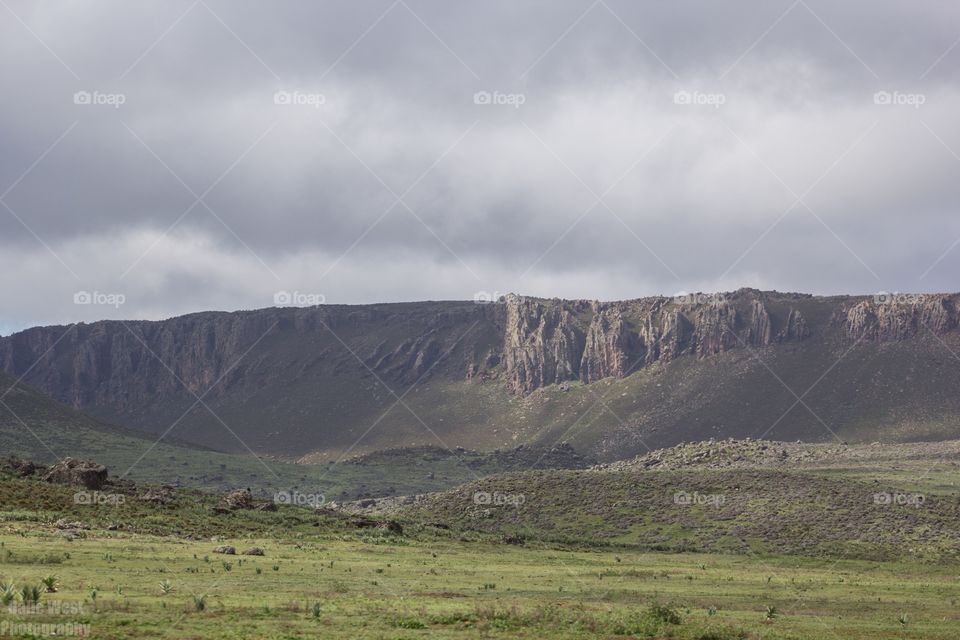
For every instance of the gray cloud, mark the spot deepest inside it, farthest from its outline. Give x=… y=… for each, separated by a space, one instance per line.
x=495 y=198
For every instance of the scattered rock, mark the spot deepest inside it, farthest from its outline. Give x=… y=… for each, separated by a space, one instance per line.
x=239 y=499
x=225 y=549
x=23 y=468
x=163 y=495
x=254 y=551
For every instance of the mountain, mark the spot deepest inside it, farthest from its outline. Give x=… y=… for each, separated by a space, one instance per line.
x=611 y=378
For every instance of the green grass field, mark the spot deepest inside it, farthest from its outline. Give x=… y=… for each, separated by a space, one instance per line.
x=382 y=586
x=323 y=576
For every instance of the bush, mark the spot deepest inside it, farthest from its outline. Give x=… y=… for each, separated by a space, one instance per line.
x=664 y=614
x=30 y=594
x=409 y=623
x=51 y=583
x=8 y=593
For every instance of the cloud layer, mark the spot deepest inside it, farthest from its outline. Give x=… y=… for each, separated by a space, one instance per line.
x=204 y=154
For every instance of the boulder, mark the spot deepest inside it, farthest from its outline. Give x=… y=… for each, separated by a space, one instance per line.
x=79 y=473
x=240 y=499
x=254 y=551
x=225 y=549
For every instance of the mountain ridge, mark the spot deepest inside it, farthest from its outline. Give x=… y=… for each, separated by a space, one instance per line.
x=495 y=374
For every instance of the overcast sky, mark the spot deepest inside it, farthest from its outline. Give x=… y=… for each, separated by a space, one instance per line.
x=436 y=149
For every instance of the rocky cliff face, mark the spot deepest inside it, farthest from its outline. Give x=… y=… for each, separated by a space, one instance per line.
x=542 y=343
x=134 y=371
x=552 y=341
x=896 y=317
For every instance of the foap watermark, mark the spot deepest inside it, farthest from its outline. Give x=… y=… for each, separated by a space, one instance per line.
x=298 y=299
x=699 y=99
x=298 y=499
x=299 y=99
x=43 y=629
x=98 y=498
x=899 y=99
x=115 y=300
x=486 y=297
x=498 y=499
x=99 y=99
x=710 y=299
x=496 y=98
x=899 y=499
x=696 y=498
x=884 y=298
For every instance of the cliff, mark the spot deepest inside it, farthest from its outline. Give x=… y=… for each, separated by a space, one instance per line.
x=297 y=379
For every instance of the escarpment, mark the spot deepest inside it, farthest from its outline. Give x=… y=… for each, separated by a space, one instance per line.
x=121 y=369
x=543 y=343
x=896 y=317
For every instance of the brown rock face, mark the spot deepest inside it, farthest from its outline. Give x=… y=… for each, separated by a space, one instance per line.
x=611 y=348
x=895 y=317
x=621 y=337
x=542 y=344
x=795 y=327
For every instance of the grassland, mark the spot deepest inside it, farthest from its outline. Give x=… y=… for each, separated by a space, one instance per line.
x=322 y=575
x=388 y=587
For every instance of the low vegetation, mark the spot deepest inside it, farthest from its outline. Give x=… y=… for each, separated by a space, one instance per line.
x=147 y=569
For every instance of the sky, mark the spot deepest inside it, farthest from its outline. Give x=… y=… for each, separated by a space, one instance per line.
x=161 y=158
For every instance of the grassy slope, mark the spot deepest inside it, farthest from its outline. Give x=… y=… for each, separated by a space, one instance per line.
x=762 y=511
x=432 y=583
x=54 y=430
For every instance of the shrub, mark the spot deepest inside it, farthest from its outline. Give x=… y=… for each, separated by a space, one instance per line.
x=30 y=594
x=8 y=593
x=663 y=614
x=51 y=583
x=409 y=623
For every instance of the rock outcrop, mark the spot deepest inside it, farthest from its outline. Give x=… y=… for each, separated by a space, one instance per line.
x=542 y=344
x=611 y=348
x=78 y=473
x=895 y=317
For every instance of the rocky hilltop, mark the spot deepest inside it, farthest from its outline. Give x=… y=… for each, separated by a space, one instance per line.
x=325 y=374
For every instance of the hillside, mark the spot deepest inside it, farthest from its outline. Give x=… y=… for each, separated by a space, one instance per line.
x=746 y=511
x=613 y=378
x=40 y=429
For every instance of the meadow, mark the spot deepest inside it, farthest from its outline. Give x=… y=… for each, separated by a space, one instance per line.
x=341 y=584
